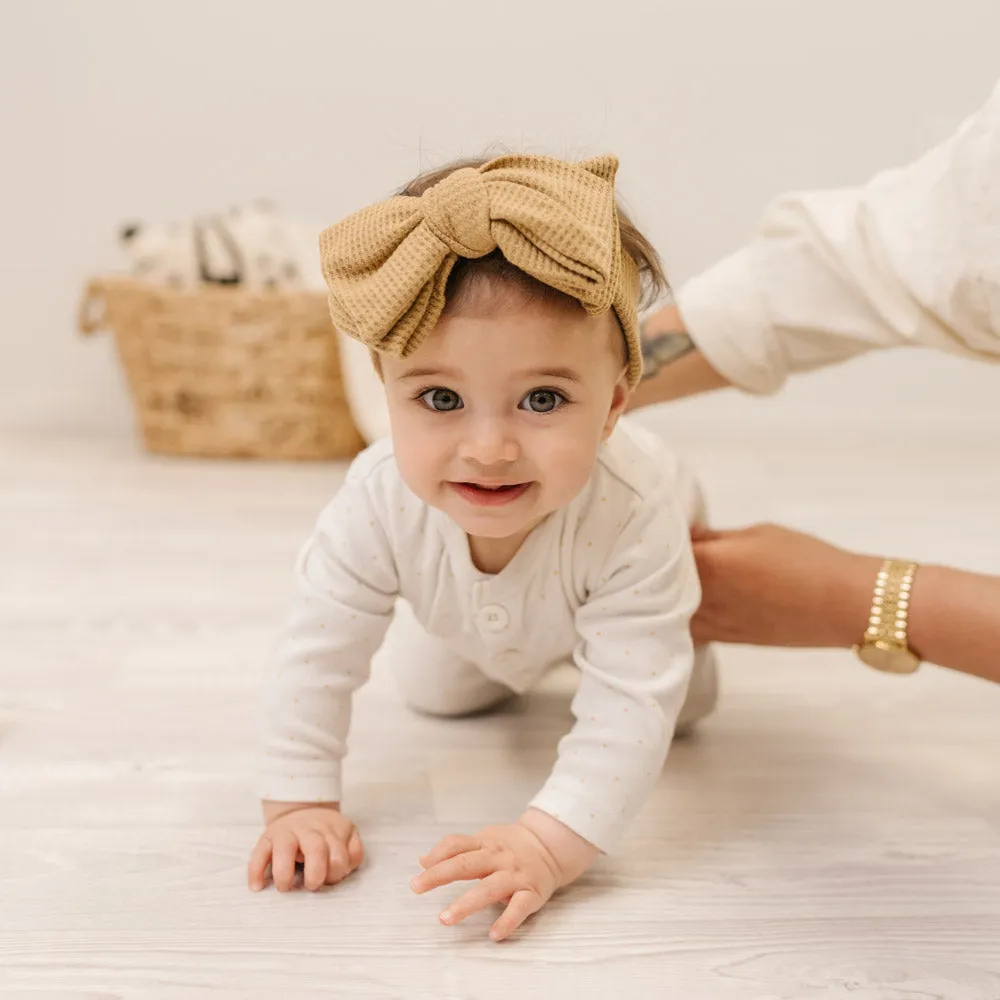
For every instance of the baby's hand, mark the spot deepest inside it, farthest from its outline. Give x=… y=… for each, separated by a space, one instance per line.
x=326 y=842
x=516 y=869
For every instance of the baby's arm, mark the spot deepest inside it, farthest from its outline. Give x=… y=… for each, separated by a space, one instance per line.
x=635 y=657
x=344 y=591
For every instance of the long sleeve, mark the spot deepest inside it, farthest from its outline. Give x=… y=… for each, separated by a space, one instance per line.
x=345 y=585
x=635 y=657
x=910 y=259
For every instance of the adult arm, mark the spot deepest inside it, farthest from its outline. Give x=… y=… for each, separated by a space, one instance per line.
x=908 y=259
x=770 y=586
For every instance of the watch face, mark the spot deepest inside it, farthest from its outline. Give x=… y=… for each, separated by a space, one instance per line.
x=888 y=658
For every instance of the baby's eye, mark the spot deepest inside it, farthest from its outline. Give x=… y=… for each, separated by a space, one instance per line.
x=441 y=400
x=542 y=401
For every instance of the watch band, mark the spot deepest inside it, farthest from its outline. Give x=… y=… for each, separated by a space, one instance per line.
x=888 y=618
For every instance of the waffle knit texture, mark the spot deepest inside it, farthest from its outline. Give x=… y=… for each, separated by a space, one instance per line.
x=387 y=266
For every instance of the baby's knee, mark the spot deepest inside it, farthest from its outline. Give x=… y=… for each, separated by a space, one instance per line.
x=703 y=691
x=446 y=703
x=453 y=689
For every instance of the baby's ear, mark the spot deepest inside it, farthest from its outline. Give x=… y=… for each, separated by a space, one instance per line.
x=619 y=400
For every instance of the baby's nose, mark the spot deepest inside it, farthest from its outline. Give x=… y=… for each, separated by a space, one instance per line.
x=490 y=443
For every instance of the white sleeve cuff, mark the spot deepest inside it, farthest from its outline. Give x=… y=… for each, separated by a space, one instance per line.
x=724 y=313
x=276 y=784
x=589 y=820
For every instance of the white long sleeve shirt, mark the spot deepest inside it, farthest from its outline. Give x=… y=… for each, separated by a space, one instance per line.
x=609 y=581
x=910 y=259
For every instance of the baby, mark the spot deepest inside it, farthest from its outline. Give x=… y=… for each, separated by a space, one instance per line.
x=512 y=516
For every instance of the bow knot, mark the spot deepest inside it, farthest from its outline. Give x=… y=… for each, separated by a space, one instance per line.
x=457 y=211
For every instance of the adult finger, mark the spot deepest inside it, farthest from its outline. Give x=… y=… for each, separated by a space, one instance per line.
x=259 y=858
x=462 y=868
x=707 y=549
x=702 y=631
x=493 y=889
x=703 y=533
x=448 y=847
x=522 y=905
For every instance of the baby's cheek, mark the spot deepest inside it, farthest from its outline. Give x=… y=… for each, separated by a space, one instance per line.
x=417 y=478
x=413 y=461
x=567 y=468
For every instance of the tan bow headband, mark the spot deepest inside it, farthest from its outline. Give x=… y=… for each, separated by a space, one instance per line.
x=387 y=266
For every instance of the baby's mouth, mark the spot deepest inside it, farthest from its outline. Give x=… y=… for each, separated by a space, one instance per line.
x=490 y=494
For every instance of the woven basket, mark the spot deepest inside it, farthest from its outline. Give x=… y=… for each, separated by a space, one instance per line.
x=224 y=372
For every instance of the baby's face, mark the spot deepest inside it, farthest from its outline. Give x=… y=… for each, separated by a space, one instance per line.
x=497 y=419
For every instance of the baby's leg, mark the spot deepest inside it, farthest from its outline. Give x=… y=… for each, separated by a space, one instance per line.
x=702 y=693
x=432 y=678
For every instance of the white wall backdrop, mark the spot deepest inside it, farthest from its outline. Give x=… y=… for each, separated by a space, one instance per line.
x=114 y=109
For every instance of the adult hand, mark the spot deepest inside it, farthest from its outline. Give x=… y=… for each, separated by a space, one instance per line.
x=769 y=586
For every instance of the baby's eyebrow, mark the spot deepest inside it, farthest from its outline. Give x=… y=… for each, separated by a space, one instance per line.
x=569 y=374
x=430 y=373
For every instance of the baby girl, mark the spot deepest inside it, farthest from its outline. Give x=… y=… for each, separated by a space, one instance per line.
x=512 y=516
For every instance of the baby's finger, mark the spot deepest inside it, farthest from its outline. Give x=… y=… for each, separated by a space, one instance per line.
x=521 y=906
x=355 y=850
x=448 y=847
x=257 y=869
x=476 y=864
x=283 y=857
x=338 y=865
x=494 y=889
x=317 y=857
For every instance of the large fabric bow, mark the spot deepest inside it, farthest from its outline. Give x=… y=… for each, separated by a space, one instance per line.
x=387 y=266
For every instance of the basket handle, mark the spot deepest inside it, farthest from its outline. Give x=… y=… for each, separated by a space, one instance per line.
x=93 y=308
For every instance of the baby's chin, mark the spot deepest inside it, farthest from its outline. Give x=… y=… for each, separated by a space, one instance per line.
x=491 y=523
x=498 y=525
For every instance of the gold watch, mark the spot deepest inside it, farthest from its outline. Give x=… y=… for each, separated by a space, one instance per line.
x=884 y=646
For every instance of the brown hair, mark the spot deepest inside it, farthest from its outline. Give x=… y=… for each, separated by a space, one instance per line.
x=494 y=272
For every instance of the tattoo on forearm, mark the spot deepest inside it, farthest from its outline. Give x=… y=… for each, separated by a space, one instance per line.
x=662 y=349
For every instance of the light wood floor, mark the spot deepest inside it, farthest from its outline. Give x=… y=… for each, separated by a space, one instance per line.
x=829 y=833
